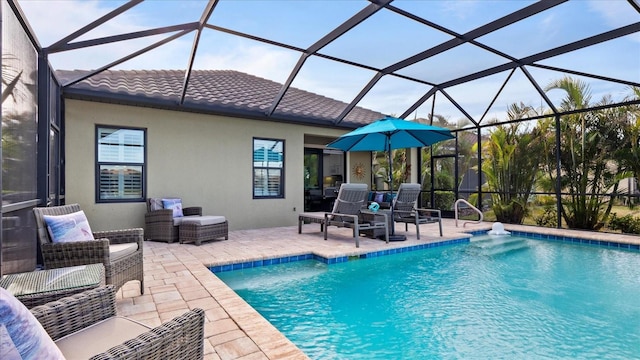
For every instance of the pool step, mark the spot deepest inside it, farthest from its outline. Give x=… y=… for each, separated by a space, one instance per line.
x=497 y=245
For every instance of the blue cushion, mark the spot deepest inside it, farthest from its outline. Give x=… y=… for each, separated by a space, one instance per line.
x=388 y=197
x=21 y=333
x=8 y=349
x=175 y=205
x=68 y=228
x=379 y=197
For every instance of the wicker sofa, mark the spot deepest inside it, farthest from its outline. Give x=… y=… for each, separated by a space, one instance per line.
x=160 y=225
x=85 y=326
x=120 y=251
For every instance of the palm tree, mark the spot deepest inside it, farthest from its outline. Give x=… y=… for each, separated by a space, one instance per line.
x=588 y=169
x=443 y=179
x=511 y=164
x=629 y=153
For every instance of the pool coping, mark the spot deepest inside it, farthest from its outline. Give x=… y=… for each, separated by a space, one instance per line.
x=624 y=242
x=177 y=278
x=614 y=245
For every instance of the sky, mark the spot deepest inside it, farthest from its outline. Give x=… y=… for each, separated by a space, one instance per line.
x=380 y=41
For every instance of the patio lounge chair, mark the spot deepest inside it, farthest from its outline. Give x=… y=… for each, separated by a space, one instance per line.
x=349 y=211
x=405 y=210
x=161 y=225
x=120 y=251
x=86 y=326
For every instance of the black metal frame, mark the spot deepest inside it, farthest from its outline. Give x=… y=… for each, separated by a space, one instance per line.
x=512 y=64
x=374 y=6
x=282 y=194
x=98 y=199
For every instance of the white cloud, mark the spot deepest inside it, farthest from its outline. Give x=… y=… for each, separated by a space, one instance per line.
x=615 y=12
x=460 y=9
x=258 y=60
x=52 y=20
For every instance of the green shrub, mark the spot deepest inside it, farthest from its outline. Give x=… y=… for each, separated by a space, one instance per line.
x=545 y=200
x=444 y=200
x=626 y=224
x=549 y=218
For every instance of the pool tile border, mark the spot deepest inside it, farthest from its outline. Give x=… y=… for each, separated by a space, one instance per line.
x=373 y=254
x=334 y=260
x=414 y=248
x=568 y=239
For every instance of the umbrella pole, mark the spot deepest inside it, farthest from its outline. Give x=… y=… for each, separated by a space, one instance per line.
x=392 y=232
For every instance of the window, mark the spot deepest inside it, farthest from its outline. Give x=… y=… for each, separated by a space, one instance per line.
x=268 y=168
x=120 y=169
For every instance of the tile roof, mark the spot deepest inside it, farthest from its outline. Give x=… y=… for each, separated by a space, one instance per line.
x=224 y=92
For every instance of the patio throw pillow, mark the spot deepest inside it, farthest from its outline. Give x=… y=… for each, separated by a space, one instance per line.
x=69 y=227
x=388 y=198
x=155 y=204
x=175 y=205
x=21 y=335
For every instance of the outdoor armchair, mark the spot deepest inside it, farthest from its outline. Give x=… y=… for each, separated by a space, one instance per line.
x=85 y=326
x=349 y=210
x=405 y=209
x=160 y=223
x=120 y=251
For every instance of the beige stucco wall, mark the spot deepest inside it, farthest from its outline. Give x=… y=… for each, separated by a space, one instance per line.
x=206 y=160
x=360 y=158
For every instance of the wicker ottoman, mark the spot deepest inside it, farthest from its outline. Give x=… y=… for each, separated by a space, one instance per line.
x=203 y=228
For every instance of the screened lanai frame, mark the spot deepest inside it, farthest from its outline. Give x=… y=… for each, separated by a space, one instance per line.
x=329 y=40
x=358 y=15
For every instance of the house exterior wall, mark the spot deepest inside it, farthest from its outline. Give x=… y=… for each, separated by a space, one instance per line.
x=205 y=160
x=359 y=158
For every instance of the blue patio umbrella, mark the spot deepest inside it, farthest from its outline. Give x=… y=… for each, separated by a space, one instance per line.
x=388 y=134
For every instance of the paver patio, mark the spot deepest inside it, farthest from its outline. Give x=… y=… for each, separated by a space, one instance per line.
x=177 y=279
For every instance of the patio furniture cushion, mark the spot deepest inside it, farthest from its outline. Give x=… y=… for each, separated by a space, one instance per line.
x=7 y=347
x=204 y=220
x=203 y=228
x=175 y=205
x=102 y=336
x=118 y=251
x=117 y=271
x=86 y=326
x=68 y=227
x=161 y=225
x=155 y=204
x=178 y=220
x=20 y=332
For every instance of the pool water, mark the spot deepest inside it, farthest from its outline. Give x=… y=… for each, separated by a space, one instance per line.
x=494 y=298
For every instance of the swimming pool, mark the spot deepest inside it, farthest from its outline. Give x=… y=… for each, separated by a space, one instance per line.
x=494 y=298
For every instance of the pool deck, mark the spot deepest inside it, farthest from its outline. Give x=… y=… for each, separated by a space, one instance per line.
x=177 y=278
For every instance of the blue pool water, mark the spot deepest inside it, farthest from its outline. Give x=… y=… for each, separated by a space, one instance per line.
x=496 y=298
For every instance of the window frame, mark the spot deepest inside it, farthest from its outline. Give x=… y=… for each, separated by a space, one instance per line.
x=281 y=169
x=99 y=164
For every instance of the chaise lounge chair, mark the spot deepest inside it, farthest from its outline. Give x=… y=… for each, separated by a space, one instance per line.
x=120 y=251
x=349 y=211
x=405 y=209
